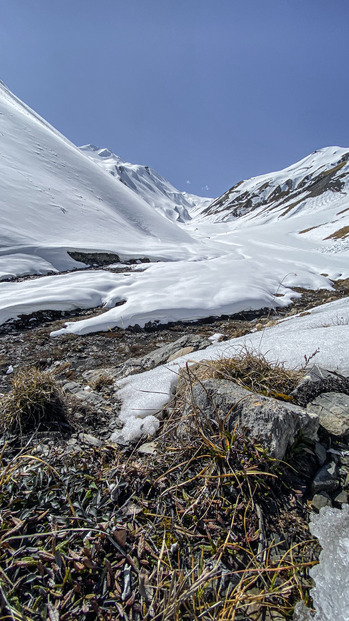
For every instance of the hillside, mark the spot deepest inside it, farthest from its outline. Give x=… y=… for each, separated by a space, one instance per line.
x=55 y=200
x=314 y=189
x=147 y=183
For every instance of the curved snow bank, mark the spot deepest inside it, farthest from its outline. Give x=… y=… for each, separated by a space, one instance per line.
x=191 y=290
x=83 y=289
x=187 y=291
x=324 y=330
x=20 y=264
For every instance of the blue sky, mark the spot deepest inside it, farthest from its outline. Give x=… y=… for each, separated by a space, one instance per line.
x=203 y=91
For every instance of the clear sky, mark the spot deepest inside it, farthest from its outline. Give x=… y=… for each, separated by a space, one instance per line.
x=206 y=92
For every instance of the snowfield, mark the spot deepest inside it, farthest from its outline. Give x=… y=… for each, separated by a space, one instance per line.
x=54 y=198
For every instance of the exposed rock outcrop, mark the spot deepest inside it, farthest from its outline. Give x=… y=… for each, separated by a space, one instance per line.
x=273 y=423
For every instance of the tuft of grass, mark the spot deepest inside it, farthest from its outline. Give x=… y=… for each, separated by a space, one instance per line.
x=33 y=403
x=250 y=370
x=101 y=382
x=208 y=530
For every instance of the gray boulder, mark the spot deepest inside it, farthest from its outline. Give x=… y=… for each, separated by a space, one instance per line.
x=275 y=424
x=332 y=408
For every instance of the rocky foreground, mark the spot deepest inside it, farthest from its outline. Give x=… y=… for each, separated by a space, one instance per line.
x=209 y=520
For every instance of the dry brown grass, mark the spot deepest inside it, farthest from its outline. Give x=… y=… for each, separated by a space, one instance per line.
x=248 y=369
x=186 y=535
x=33 y=403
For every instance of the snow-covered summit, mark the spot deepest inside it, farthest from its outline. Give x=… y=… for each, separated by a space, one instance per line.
x=317 y=185
x=150 y=185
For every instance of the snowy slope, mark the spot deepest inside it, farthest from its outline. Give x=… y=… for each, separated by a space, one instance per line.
x=54 y=198
x=314 y=190
x=147 y=183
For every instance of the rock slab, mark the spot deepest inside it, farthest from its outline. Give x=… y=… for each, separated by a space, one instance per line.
x=275 y=424
x=332 y=408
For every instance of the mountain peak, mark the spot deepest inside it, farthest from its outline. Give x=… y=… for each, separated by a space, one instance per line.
x=315 y=182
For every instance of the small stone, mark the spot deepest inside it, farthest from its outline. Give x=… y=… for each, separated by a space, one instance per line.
x=321 y=500
x=72 y=387
x=333 y=411
x=320 y=453
x=89 y=439
x=148 y=448
x=326 y=478
x=342 y=497
x=318 y=381
x=181 y=352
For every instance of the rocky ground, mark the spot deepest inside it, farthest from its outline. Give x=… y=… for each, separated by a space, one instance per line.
x=26 y=343
x=151 y=528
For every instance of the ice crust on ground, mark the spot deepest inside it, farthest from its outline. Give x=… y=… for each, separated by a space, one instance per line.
x=331 y=593
x=331 y=575
x=324 y=330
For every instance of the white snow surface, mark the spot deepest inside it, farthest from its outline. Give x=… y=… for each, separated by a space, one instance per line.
x=19 y=264
x=323 y=332
x=56 y=198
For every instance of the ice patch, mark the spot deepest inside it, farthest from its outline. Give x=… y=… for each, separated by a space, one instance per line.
x=331 y=575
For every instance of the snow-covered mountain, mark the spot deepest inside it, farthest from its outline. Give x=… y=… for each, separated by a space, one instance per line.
x=55 y=200
x=315 y=189
x=244 y=251
x=147 y=183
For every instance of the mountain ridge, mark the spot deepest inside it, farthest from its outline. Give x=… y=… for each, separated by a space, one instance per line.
x=157 y=191
x=286 y=193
